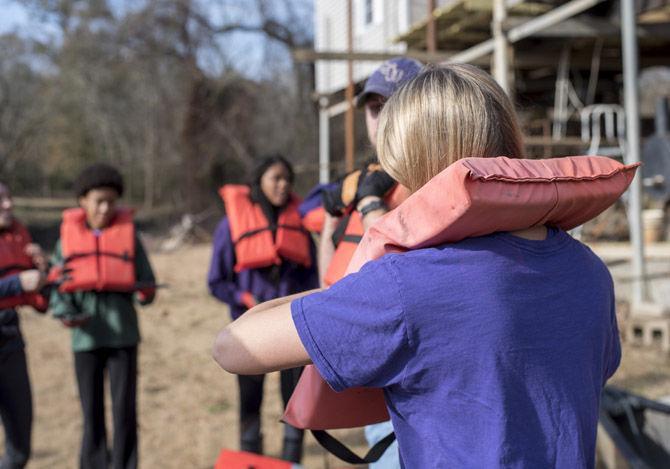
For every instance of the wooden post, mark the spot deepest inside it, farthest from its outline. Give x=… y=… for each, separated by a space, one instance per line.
x=349 y=117
x=500 y=51
x=431 y=41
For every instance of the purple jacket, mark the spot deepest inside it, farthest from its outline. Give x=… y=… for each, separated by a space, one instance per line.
x=265 y=284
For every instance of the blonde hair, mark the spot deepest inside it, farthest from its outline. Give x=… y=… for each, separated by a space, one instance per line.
x=442 y=115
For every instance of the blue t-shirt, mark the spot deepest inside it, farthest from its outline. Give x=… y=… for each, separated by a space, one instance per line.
x=492 y=352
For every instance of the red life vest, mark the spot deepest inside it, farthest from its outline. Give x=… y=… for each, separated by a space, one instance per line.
x=252 y=236
x=105 y=262
x=350 y=232
x=313 y=220
x=471 y=197
x=242 y=460
x=13 y=259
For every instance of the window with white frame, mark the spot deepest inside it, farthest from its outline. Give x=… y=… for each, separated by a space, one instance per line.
x=368 y=13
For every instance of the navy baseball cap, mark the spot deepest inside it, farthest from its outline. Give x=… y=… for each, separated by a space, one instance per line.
x=388 y=78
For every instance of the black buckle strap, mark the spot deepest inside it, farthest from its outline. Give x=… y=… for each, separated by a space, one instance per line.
x=339 y=235
x=124 y=257
x=339 y=450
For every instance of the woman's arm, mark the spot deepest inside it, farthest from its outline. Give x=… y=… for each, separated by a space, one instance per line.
x=264 y=339
x=221 y=277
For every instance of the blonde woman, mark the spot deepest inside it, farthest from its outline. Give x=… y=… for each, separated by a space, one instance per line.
x=492 y=351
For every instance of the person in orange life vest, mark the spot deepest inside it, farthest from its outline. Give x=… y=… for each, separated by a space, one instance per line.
x=362 y=196
x=360 y=199
x=22 y=267
x=105 y=269
x=260 y=253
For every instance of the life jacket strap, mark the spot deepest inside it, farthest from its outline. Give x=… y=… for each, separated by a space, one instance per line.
x=340 y=229
x=124 y=257
x=338 y=449
x=339 y=235
x=349 y=238
x=269 y=227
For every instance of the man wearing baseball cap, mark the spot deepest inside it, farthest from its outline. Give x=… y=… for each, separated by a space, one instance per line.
x=363 y=193
x=380 y=86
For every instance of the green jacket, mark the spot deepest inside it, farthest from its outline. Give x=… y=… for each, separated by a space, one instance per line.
x=113 y=319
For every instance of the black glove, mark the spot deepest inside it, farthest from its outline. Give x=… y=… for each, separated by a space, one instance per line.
x=332 y=200
x=371 y=180
x=336 y=200
x=376 y=183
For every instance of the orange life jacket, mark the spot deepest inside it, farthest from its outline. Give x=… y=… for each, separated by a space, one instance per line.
x=313 y=220
x=105 y=262
x=252 y=236
x=13 y=259
x=349 y=233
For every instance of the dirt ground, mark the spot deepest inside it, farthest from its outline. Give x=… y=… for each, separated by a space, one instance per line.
x=188 y=406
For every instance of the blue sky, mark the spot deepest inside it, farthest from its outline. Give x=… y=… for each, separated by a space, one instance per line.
x=13 y=16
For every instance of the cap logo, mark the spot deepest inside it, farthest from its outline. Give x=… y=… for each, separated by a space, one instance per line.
x=391 y=72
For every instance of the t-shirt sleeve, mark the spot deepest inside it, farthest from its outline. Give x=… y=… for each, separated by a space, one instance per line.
x=355 y=332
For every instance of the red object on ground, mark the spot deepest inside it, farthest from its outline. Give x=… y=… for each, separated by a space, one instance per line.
x=241 y=460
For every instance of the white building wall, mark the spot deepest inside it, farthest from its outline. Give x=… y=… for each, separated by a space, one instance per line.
x=390 y=19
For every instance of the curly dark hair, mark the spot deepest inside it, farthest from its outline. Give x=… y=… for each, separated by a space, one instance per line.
x=96 y=176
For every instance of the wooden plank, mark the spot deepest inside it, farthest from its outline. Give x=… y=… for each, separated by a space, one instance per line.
x=309 y=55
x=573 y=27
x=659 y=15
x=464 y=15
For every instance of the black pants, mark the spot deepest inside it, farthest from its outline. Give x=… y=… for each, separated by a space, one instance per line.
x=121 y=364
x=251 y=396
x=16 y=408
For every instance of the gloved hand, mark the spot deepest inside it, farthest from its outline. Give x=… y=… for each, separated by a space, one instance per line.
x=369 y=181
x=336 y=200
x=146 y=295
x=375 y=183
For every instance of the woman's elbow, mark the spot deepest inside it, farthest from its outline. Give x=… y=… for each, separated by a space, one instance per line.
x=223 y=351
